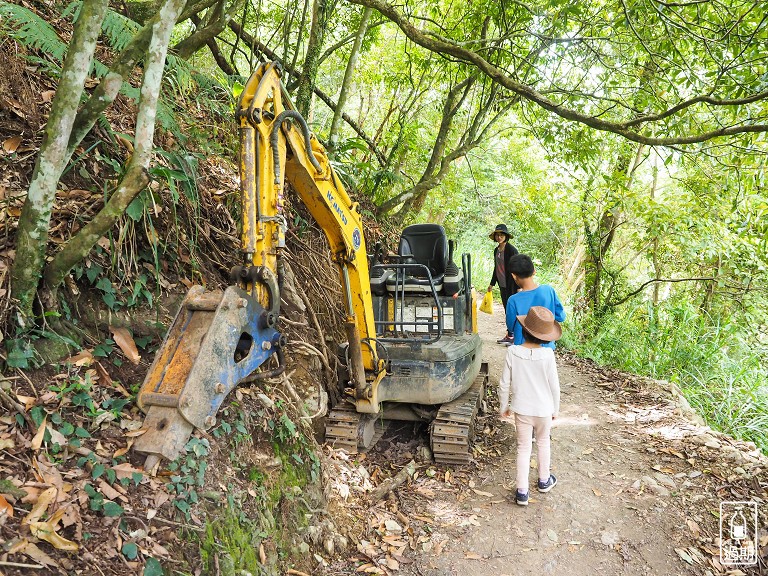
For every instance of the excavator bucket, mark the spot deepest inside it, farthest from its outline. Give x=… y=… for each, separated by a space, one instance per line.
x=216 y=340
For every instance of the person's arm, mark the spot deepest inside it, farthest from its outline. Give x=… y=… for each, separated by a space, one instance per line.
x=493 y=274
x=511 y=316
x=506 y=378
x=554 y=386
x=559 y=311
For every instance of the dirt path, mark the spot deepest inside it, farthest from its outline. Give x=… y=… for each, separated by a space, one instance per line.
x=639 y=487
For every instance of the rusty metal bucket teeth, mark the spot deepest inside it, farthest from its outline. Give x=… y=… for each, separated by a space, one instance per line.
x=216 y=340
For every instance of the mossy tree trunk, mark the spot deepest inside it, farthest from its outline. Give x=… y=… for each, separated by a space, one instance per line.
x=105 y=93
x=32 y=234
x=321 y=14
x=136 y=176
x=333 y=135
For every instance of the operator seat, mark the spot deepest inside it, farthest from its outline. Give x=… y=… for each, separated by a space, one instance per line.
x=425 y=244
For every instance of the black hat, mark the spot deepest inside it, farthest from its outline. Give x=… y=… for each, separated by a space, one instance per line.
x=500 y=228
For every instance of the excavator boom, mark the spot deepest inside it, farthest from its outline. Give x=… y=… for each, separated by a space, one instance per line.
x=220 y=338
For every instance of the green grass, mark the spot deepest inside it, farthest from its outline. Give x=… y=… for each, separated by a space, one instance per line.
x=722 y=375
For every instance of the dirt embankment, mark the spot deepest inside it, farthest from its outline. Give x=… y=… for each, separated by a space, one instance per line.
x=639 y=491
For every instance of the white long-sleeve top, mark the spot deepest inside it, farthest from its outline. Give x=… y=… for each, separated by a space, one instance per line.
x=529 y=384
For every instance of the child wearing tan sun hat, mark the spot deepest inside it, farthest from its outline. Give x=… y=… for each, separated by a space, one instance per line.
x=530 y=389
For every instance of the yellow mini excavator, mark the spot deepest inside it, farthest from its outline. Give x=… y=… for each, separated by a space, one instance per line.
x=412 y=350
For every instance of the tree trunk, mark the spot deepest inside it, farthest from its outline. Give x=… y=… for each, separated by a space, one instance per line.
x=136 y=177
x=321 y=11
x=107 y=90
x=216 y=21
x=32 y=233
x=333 y=135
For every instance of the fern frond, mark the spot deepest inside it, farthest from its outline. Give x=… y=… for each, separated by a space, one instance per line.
x=178 y=72
x=32 y=31
x=118 y=30
x=166 y=117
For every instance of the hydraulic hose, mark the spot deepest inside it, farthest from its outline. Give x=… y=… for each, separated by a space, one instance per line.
x=282 y=117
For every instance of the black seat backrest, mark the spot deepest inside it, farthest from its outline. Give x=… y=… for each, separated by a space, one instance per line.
x=427 y=244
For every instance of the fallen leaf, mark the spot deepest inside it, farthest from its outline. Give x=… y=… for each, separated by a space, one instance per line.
x=6 y=443
x=5 y=508
x=125 y=470
x=38 y=555
x=47 y=531
x=11 y=144
x=37 y=441
x=28 y=401
x=552 y=535
x=82 y=358
x=124 y=340
x=108 y=491
x=481 y=493
x=104 y=378
x=684 y=555
x=41 y=506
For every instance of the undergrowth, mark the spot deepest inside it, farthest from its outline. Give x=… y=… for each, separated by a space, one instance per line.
x=243 y=538
x=722 y=375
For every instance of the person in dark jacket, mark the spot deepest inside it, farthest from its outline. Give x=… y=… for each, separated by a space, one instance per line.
x=501 y=272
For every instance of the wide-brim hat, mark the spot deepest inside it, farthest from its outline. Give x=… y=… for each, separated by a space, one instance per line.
x=541 y=323
x=500 y=228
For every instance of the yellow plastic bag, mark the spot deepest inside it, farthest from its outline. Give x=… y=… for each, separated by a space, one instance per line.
x=487 y=304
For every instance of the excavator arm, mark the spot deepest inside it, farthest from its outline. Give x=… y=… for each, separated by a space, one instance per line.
x=285 y=150
x=218 y=339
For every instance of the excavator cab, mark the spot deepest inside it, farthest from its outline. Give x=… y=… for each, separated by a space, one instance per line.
x=426 y=332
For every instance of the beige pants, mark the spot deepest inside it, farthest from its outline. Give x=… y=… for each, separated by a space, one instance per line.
x=525 y=426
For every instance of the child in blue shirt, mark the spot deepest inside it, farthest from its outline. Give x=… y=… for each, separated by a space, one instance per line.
x=530 y=294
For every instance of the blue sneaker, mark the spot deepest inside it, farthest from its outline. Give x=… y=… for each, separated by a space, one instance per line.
x=521 y=498
x=550 y=483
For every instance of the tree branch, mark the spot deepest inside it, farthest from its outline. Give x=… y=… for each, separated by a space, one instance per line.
x=653 y=280
x=237 y=29
x=447 y=47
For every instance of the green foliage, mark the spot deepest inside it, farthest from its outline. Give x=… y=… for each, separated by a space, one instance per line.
x=32 y=31
x=234 y=538
x=188 y=475
x=722 y=375
x=152 y=568
x=118 y=30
